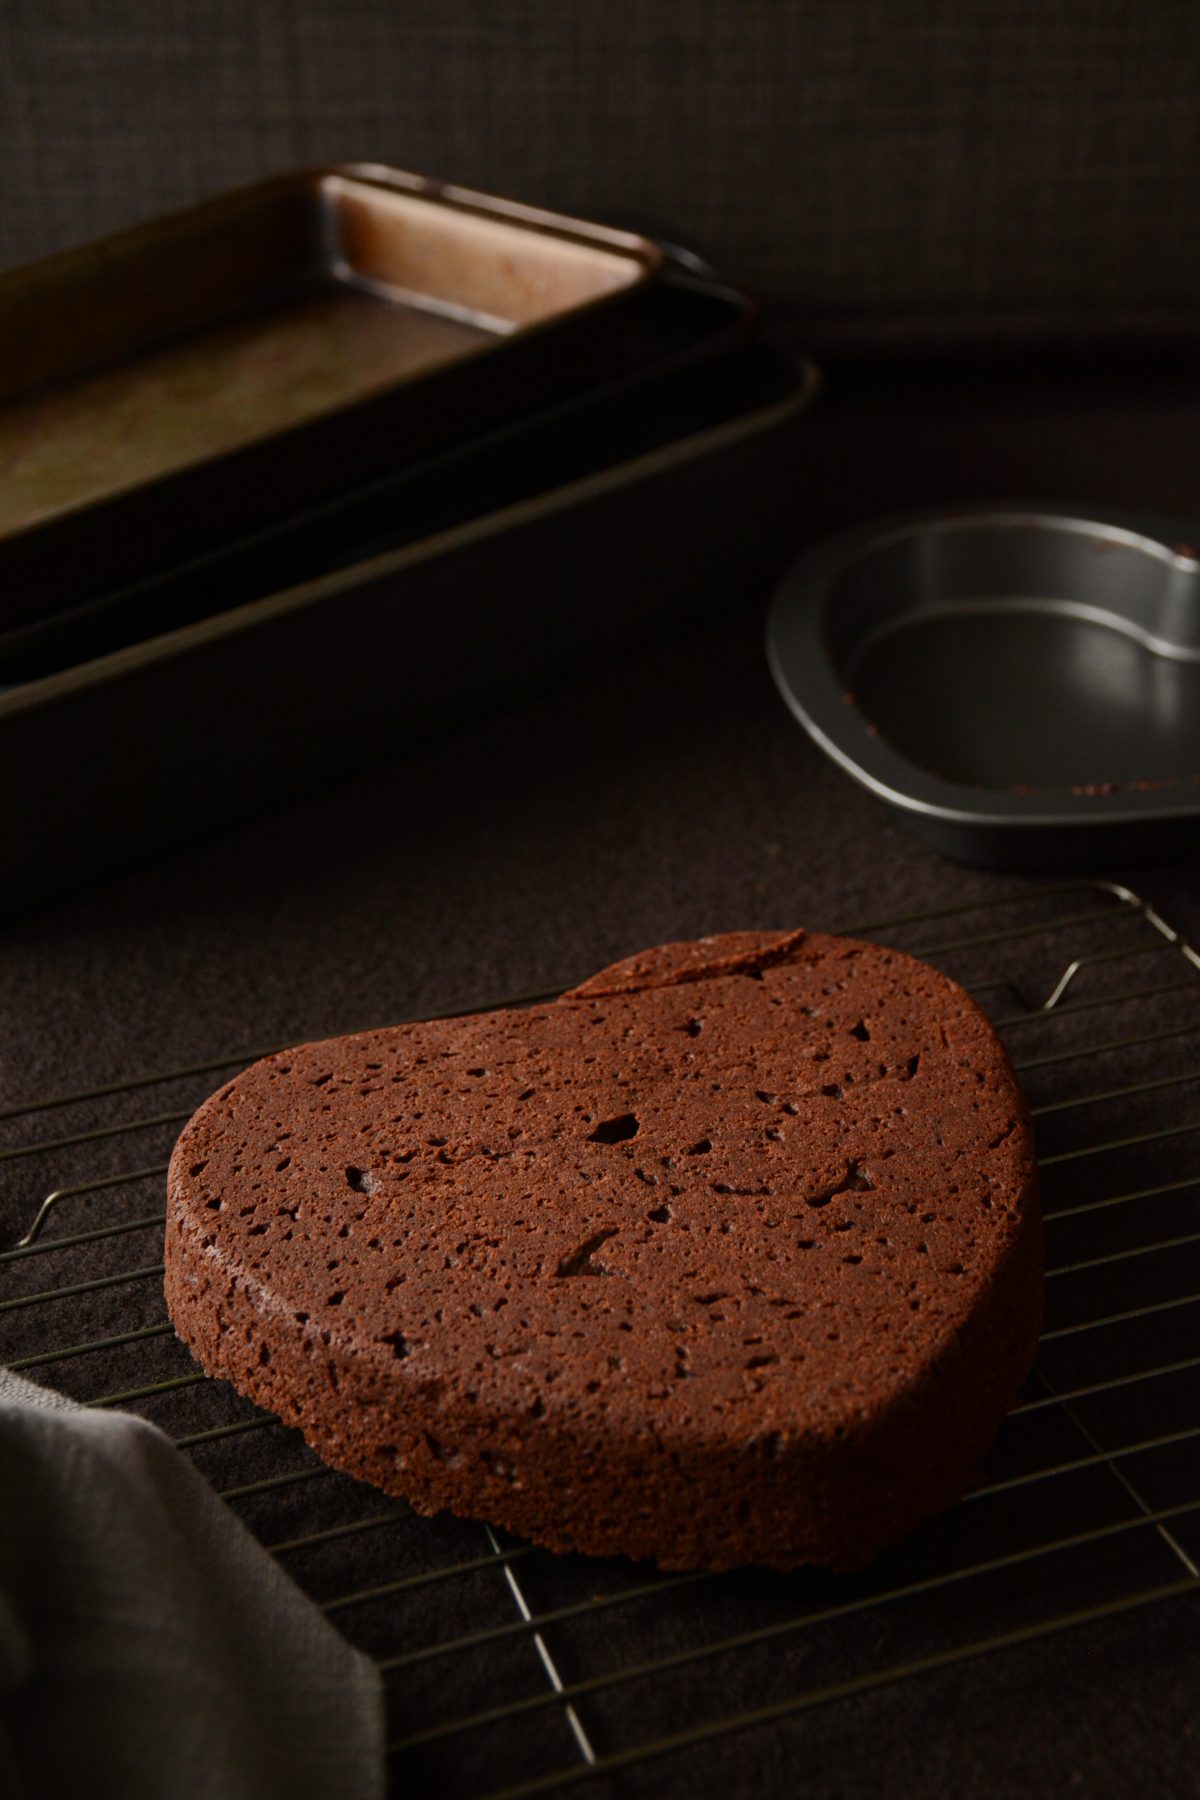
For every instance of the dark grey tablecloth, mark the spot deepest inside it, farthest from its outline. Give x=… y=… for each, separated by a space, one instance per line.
x=148 y=1645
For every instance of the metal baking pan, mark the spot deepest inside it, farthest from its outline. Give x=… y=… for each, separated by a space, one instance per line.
x=119 y=758
x=680 y=332
x=215 y=370
x=1022 y=684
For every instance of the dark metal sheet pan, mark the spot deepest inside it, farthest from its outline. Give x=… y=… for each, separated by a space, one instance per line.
x=680 y=332
x=172 y=737
x=1022 y=684
x=212 y=371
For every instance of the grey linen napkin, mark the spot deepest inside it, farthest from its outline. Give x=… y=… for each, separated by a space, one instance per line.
x=149 y=1646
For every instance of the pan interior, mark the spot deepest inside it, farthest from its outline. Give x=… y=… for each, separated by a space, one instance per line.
x=1017 y=657
x=231 y=384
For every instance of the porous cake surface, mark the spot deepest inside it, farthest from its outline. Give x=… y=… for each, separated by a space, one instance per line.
x=731 y=1255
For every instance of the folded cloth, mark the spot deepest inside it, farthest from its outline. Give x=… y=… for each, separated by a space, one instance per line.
x=149 y=1646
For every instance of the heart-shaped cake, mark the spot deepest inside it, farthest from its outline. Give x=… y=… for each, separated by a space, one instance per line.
x=731 y=1255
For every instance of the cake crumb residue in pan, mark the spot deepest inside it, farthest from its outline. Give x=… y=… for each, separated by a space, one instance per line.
x=1022 y=685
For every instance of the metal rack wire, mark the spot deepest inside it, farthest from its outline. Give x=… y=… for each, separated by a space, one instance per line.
x=513 y=1673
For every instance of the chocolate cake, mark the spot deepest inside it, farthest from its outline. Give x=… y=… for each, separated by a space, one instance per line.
x=731 y=1255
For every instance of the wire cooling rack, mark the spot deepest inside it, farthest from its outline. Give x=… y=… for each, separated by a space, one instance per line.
x=511 y=1672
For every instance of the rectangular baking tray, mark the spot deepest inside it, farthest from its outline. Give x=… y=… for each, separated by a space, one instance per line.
x=213 y=371
x=675 y=339
x=119 y=758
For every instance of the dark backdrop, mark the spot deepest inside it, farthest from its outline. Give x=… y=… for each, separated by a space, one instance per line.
x=877 y=155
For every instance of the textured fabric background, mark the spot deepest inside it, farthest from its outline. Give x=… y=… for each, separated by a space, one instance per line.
x=877 y=155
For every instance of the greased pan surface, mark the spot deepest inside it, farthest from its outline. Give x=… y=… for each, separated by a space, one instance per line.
x=682 y=341
x=1021 y=684
x=179 y=735
x=217 y=369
